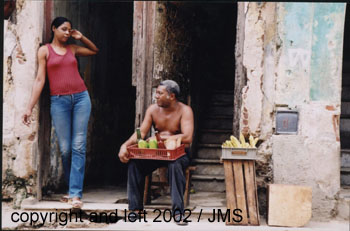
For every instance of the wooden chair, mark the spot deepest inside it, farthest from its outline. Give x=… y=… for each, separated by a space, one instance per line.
x=149 y=183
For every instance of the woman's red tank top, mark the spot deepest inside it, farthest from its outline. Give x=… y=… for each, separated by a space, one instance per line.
x=63 y=74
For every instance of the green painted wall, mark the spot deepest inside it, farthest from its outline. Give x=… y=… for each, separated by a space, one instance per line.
x=312 y=35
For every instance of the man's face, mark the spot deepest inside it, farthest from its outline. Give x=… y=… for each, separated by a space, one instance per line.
x=162 y=97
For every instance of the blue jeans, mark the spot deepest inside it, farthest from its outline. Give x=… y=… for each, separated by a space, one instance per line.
x=70 y=115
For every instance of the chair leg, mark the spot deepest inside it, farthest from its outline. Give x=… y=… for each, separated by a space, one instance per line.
x=187 y=189
x=147 y=190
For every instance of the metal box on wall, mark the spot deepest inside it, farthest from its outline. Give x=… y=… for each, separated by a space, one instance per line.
x=287 y=122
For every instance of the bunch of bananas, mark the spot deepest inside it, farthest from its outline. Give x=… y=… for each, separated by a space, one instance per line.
x=241 y=143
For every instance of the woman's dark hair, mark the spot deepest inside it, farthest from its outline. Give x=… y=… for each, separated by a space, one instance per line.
x=58 y=22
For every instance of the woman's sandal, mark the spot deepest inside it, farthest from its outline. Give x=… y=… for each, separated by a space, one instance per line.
x=76 y=203
x=64 y=199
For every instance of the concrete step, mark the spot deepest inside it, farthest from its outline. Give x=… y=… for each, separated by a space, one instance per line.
x=345 y=158
x=119 y=210
x=214 y=136
x=345 y=94
x=222 y=97
x=217 y=110
x=222 y=122
x=346 y=79
x=209 y=151
x=208 y=167
x=345 y=176
x=225 y=92
x=345 y=108
x=344 y=125
x=208 y=183
x=345 y=140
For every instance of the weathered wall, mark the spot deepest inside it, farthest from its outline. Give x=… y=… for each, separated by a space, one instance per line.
x=312 y=56
x=257 y=95
x=20 y=143
x=293 y=56
x=172 y=44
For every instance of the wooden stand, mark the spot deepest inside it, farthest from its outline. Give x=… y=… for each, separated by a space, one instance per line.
x=241 y=191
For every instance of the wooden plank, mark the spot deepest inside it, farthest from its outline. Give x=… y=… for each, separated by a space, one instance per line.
x=230 y=190
x=240 y=191
x=142 y=58
x=256 y=191
x=289 y=205
x=251 y=192
x=240 y=76
x=137 y=41
x=147 y=190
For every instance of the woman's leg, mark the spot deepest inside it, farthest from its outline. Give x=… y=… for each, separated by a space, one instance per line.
x=81 y=115
x=61 y=114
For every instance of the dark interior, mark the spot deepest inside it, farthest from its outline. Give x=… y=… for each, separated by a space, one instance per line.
x=113 y=97
x=345 y=96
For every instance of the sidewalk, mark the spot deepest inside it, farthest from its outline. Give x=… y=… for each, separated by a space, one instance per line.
x=107 y=200
x=202 y=224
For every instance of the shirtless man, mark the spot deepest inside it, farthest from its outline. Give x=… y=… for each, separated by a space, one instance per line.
x=172 y=119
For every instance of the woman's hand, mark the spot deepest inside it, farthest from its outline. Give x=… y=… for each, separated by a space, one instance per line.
x=76 y=34
x=26 y=117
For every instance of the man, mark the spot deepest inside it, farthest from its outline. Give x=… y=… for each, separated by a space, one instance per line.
x=172 y=119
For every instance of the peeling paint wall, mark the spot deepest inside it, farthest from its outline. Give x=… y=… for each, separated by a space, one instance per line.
x=293 y=58
x=258 y=95
x=20 y=143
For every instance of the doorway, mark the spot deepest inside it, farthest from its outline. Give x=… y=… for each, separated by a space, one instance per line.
x=108 y=77
x=345 y=106
x=212 y=90
x=207 y=76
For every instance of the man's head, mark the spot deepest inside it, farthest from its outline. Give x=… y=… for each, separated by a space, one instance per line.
x=167 y=92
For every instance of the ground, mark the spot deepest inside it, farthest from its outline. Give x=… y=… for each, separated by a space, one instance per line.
x=109 y=199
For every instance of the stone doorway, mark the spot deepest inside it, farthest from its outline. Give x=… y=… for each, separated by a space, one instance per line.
x=194 y=44
x=108 y=78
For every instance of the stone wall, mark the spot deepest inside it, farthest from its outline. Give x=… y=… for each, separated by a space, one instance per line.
x=20 y=143
x=293 y=57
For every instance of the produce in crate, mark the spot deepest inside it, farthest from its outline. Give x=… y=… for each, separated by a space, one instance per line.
x=159 y=140
x=241 y=143
x=172 y=143
x=140 y=142
x=152 y=143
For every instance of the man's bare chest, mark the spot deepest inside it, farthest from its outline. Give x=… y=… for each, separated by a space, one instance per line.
x=170 y=123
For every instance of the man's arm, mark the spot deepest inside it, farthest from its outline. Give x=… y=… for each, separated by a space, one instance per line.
x=145 y=127
x=187 y=125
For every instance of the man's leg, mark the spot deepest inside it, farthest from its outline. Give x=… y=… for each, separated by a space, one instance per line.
x=177 y=181
x=137 y=171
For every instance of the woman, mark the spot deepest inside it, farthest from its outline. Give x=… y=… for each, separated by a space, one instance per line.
x=70 y=101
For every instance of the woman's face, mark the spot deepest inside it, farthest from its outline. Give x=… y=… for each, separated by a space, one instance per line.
x=63 y=32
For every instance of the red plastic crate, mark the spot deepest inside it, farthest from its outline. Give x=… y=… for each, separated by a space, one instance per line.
x=155 y=154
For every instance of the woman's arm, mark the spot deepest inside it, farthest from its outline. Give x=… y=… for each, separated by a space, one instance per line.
x=90 y=48
x=38 y=84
